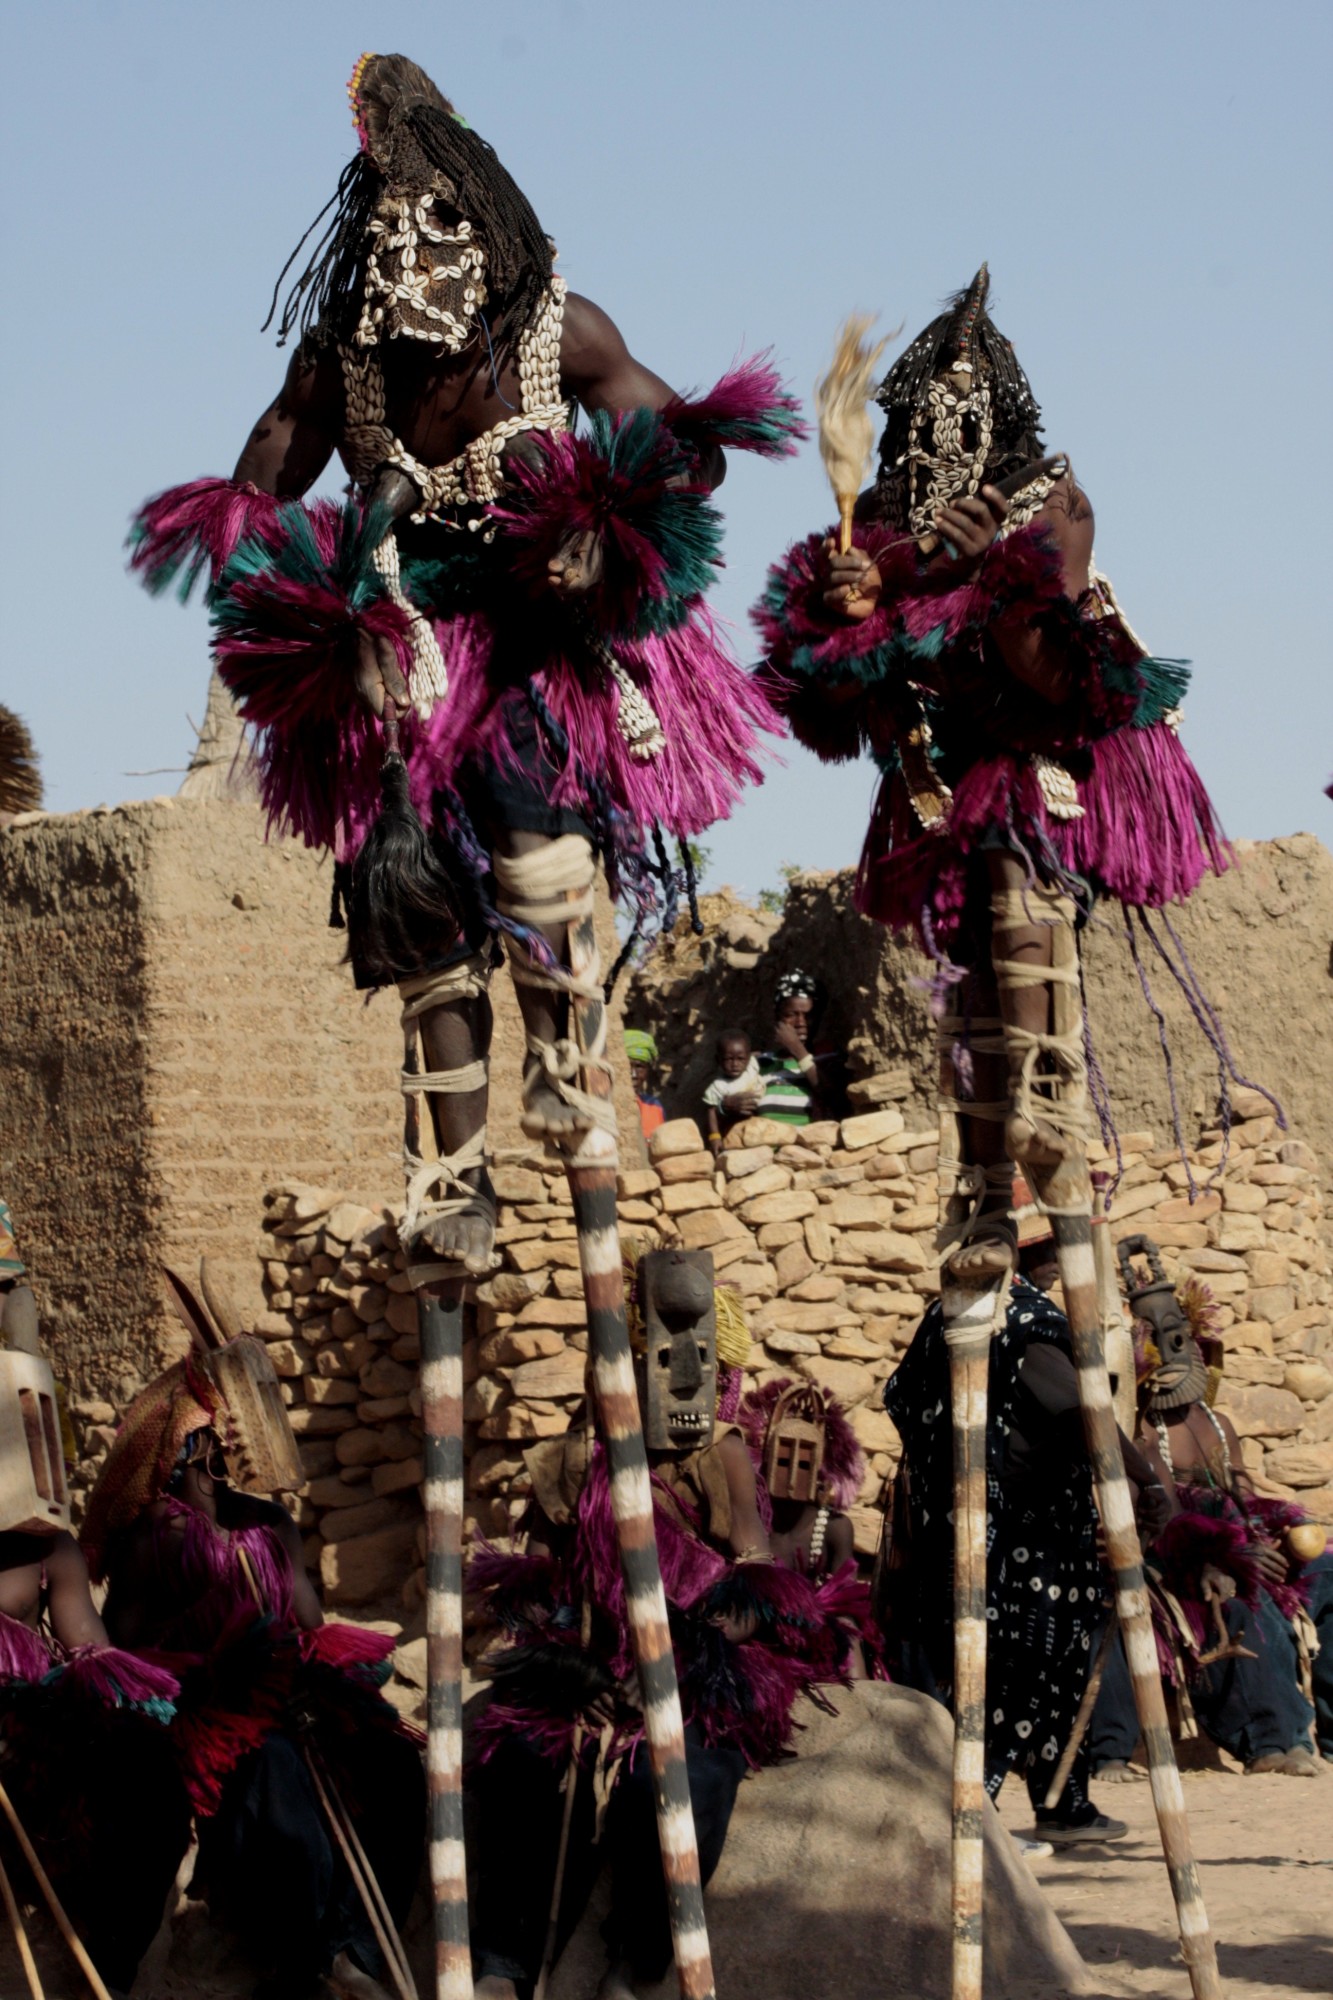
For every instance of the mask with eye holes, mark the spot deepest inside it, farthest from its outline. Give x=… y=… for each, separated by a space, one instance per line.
x=677 y=1371
x=1180 y=1377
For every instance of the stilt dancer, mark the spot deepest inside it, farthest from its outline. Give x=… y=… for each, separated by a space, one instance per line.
x=530 y=598
x=1031 y=761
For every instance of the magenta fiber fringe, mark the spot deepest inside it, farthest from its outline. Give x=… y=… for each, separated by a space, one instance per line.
x=179 y=532
x=748 y=409
x=23 y=1655
x=118 y=1679
x=1147 y=837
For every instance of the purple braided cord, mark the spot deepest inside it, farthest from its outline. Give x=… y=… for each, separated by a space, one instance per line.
x=1211 y=1011
x=1162 y=1037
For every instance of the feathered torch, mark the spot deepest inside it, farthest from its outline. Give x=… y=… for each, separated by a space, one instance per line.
x=845 y=430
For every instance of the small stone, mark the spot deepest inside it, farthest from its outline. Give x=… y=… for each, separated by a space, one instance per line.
x=362 y=1570
x=888 y=1250
x=1300 y=1465
x=386 y=1377
x=1239 y=1233
x=694 y=1194
x=859 y=1211
x=678 y=1135
x=818 y=1239
x=289 y=1357
x=850 y=1381
x=554 y=1313
x=815 y=1290
x=708 y=1228
x=1262 y=1412
x=765 y=1180
x=1309 y=1380
x=788 y=1206
x=782 y=1342
x=678 y=1167
x=402 y=1477
x=409 y=1662
x=515 y=1345
x=368 y=1302
x=1190 y=1211
x=793 y=1264
x=1271 y=1302
x=746 y=1160
x=1295 y=1153
x=517 y=1184
x=342 y=1524
x=326 y=1391
x=870 y=1129
x=1135 y=1201
x=347 y=1221
x=762 y=1132
x=1240 y=1198
x=551 y=1376
x=636 y=1183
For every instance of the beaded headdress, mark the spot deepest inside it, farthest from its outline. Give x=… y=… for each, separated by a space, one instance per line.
x=427 y=228
x=960 y=412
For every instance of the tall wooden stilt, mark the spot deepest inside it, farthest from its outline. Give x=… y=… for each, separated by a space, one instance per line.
x=592 y=1180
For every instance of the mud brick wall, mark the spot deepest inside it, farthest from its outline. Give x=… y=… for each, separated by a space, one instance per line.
x=177 y=1034
x=827 y=1233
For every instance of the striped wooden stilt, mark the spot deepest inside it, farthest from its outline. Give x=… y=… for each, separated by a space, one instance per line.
x=440 y=1308
x=592 y=1180
x=970 y=1320
x=1067 y=1196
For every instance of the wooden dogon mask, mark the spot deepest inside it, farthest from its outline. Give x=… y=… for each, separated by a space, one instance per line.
x=678 y=1369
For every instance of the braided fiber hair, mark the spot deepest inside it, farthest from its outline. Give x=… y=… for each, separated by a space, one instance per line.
x=20 y=776
x=963 y=330
x=412 y=138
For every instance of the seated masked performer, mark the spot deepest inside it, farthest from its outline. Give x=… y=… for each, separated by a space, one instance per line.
x=527 y=596
x=212 y=1581
x=1242 y=1585
x=84 y=1754
x=1045 y=1586
x=1028 y=745
x=749 y=1636
x=810 y=1469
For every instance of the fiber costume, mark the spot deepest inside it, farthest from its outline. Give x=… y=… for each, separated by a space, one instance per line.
x=1246 y=1650
x=747 y=1637
x=267 y=1709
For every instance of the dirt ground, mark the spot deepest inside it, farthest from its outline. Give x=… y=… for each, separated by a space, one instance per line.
x=1264 y=1847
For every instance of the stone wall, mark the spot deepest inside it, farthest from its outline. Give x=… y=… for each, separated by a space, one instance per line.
x=1260 y=938
x=828 y=1234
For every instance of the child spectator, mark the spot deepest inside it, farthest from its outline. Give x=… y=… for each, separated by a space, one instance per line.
x=736 y=1089
x=789 y=1080
x=642 y=1052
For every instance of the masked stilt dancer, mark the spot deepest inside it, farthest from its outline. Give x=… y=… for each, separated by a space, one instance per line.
x=1031 y=763
x=522 y=600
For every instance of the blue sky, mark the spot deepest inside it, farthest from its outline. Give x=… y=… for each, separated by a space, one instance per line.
x=1149 y=182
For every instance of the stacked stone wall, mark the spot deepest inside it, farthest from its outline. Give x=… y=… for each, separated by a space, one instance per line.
x=827 y=1232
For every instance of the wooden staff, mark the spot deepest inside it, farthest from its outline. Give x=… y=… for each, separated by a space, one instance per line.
x=970 y=1319
x=19 y=1928
x=592 y=1180
x=1067 y=1196
x=1087 y=1702
x=53 y=1902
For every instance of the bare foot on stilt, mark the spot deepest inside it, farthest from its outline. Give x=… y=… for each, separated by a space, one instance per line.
x=547 y=1116
x=467 y=1238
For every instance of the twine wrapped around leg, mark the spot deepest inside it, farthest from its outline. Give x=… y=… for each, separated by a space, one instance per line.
x=978 y=1239
x=1049 y=1125
x=545 y=888
x=439 y=1286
